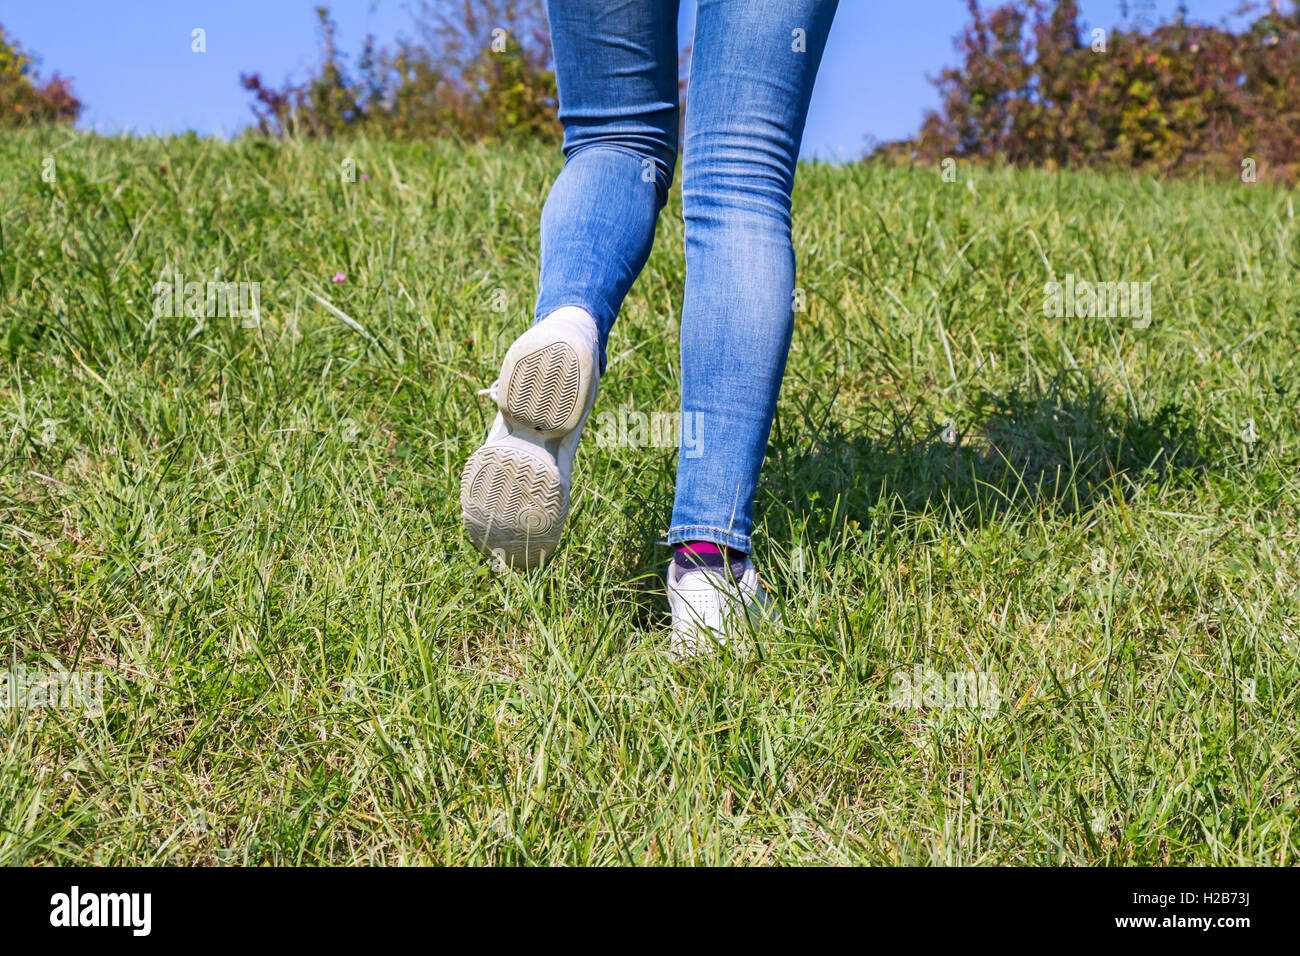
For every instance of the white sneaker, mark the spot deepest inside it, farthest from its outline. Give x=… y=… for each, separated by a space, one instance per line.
x=710 y=607
x=514 y=492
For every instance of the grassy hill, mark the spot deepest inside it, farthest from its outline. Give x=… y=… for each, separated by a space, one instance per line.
x=249 y=526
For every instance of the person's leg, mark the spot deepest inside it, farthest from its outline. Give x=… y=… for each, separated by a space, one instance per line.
x=616 y=68
x=752 y=72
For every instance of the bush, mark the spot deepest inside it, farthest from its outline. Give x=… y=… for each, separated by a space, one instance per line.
x=1034 y=90
x=477 y=69
x=22 y=101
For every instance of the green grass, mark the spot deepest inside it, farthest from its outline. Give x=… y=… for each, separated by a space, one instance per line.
x=253 y=533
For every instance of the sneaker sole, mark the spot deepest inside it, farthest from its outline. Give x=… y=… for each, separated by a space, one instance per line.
x=545 y=382
x=513 y=505
x=512 y=501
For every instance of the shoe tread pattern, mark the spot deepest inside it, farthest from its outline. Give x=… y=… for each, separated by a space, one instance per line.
x=513 y=506
x=543 y=389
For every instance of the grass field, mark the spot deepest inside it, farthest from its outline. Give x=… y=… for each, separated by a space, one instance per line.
x=250 y=529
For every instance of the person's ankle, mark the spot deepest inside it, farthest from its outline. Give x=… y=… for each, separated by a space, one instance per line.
x=572 y=313
x=694 y=555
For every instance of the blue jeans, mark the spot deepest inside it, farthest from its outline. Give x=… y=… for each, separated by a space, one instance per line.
x=752 y=71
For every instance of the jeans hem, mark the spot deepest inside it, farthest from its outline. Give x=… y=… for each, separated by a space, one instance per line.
x=680 y=534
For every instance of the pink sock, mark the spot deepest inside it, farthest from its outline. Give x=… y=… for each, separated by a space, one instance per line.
x=698 y=547
x=706 y=554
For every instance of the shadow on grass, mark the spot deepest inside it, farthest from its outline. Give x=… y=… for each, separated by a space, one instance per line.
x=1054 y=451
x=1057 y=450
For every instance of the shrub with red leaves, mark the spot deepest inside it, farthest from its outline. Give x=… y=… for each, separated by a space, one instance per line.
x=22 y=100
x=1035 y=89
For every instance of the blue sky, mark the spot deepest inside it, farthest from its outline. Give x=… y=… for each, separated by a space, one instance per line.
x=134 y=69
